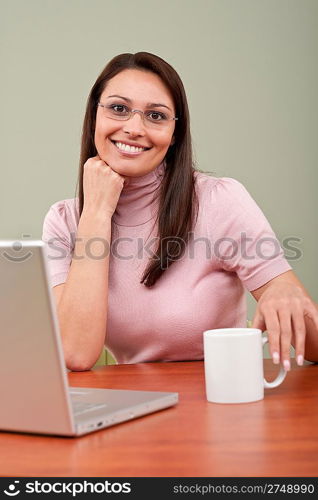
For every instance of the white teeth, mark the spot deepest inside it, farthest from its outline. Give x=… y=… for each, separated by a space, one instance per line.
x=130 y=149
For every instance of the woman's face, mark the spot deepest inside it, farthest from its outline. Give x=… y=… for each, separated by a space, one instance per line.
x=136 y=146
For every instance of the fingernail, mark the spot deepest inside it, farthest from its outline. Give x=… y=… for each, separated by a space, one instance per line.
x=300 y=359
x=275 y=358
x=286 y=365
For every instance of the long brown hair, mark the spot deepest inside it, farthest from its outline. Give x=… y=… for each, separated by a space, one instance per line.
x=178 y=200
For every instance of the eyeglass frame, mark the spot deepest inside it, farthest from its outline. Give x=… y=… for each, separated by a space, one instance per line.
x=131 y=111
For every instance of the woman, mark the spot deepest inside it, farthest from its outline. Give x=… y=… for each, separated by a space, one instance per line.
x=152 y=252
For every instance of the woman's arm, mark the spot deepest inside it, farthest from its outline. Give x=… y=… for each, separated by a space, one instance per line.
x=82 y=304
x=290 y=316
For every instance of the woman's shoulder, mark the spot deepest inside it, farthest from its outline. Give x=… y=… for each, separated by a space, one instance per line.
x=226 y=199
x=64 y=212
x=218 y=188
x=64 y=206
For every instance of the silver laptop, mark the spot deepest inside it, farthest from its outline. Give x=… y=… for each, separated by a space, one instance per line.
x=34 y=392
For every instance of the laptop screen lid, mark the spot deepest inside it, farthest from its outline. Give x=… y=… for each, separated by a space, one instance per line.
x=34 y=391
x=33 y=381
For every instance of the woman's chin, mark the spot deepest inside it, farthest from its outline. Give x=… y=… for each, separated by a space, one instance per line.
x=123 y=170
x=130 y=170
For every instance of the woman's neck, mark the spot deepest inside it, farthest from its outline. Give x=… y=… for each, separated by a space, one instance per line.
x=138 y=202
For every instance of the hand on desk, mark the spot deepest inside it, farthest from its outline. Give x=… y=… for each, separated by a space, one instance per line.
x=290 y=316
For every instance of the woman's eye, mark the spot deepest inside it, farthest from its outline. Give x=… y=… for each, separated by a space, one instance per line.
x=118 y=108
x=156 y=116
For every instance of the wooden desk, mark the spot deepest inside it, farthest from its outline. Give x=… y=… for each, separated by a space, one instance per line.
x=277 y=436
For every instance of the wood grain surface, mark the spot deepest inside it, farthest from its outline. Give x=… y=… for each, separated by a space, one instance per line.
x=277 y=436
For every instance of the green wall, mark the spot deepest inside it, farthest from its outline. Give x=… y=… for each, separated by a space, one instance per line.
x=250 y=68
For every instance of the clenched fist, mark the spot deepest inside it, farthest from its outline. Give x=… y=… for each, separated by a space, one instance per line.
x=102 y=187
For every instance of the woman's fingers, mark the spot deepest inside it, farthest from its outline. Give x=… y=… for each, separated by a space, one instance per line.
x=258 y=320
x=285 y=322
x=288 y=314
x=102 y=187
x=273 y=332
x=268 y=320
x=299 y=333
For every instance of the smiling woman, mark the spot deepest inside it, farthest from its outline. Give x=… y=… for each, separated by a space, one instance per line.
x=135 y=140
x=153 y=252
x=146 y=97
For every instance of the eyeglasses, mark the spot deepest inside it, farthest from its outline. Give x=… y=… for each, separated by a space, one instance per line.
x=150 y=118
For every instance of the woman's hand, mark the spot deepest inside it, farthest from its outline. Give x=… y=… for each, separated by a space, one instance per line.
x=288 y=314
x=102 y=187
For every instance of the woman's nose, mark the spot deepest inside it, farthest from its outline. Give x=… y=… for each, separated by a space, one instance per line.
x=135 y=125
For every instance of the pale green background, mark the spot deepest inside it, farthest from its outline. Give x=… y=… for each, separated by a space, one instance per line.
x=250 y=69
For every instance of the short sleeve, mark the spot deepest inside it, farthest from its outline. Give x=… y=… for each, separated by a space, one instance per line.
x=59 y=232
x=243 y=240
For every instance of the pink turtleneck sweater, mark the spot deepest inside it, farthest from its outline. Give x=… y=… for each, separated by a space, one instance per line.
x=233 y=247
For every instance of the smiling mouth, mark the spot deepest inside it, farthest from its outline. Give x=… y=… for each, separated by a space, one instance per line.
x=126 y=148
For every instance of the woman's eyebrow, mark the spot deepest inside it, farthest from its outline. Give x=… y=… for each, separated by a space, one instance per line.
x=120 y=97
x=149 y=105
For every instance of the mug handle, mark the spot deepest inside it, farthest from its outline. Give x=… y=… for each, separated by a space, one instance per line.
x=281 y=375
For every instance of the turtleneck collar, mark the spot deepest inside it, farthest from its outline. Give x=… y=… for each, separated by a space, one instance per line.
x=138 y=201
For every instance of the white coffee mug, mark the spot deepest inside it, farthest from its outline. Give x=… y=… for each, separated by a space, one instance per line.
x=233 y=364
